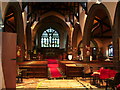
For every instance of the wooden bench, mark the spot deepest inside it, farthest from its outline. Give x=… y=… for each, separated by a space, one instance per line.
x=70 y=69
x=92 y=66
x=73 y=71
x=34 y=68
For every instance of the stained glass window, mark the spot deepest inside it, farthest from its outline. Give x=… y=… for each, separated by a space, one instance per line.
x=50 y=38
x=110 y=50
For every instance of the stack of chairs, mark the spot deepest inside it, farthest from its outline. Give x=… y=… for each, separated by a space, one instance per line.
x=114 y=83
x=104 y=75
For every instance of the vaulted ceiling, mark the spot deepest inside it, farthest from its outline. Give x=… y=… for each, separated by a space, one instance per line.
x=101 y=25
x=69 y=10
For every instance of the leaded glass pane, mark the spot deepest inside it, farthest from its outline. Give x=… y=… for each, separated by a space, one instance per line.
x=110 y=50
x=50 y=38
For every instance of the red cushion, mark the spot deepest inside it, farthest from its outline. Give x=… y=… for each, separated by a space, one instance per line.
x=100 y=69
x=104 y=73
x=112 y=73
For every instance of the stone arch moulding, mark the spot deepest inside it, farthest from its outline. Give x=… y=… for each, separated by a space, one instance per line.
x=9 y=52
x=39 y=24
x=80 y=46
x=88 y=26
x=116 y=37
x=77 y=34
x=40 y=27
x=15 y=6
x=93 y=41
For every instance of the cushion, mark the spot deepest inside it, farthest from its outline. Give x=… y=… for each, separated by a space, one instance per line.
x=112 y=73
x=104 y=74
x=100 y=69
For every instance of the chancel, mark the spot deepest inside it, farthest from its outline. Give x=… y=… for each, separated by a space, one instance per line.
x=69 y=45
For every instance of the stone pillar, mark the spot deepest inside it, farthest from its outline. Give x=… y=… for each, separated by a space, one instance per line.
x=20 y=42
x=28 y=40
x=39 y=39
x=86 y=52
x=116 y=38
x=20 y=38
x=86 y=48
x=28 y=36
x=16 y=9
x=116 y=50
x=69 y=47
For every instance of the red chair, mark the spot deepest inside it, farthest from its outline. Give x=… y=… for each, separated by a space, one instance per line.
x=95 y=76
x=104 y=74
x=115 y=83
x=112 y=73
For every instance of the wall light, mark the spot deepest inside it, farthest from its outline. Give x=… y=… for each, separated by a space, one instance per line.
x=2 y=26
x=78 y=23
x=70 y=57
x=77 y=14
x=98 y=1
x=27 y=21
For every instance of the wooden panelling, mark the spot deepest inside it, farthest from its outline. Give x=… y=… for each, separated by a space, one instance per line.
x=34 y=68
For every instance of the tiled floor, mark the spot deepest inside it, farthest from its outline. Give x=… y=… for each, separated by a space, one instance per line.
x=29 y=83
x=57 y=83
x=71 y=83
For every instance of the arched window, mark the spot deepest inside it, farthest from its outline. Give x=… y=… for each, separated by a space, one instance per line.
x=50 y=38
x=110 y=50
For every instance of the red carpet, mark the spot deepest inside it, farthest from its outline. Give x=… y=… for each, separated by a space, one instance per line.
x=52 y=61
x=55 y=72
x=53 y=65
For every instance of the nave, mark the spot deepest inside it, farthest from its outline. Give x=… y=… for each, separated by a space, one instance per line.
x=54 y=84
x=58 y=76
x=64 y=41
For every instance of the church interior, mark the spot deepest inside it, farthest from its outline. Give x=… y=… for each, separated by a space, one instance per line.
x=53 y=45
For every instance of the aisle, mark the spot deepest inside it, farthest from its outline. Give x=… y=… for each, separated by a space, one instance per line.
x=59 y=84
x=53 y=67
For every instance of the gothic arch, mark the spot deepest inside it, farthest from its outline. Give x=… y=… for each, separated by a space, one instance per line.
x=15 y=8
x=77 y=35
x=89 y=23
x=56 y=23
x=116 y=37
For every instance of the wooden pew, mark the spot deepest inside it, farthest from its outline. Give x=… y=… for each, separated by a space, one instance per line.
x=93 y=66
x=70 y=68
x=34 y=68
x=62 y=65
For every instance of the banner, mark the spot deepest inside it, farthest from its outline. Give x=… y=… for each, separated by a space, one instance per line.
x=19 y=51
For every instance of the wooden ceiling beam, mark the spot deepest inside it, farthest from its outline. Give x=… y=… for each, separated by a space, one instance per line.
x=102 y=22
x=95 y=27
x=109 y=37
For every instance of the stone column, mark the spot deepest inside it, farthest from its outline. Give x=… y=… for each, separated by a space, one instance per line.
x=28 y=39
x=86 y=48
x=116 y=50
